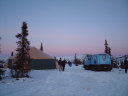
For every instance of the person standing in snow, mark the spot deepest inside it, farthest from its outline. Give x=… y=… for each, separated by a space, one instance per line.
x=60 y=64
x=0 y=74
x=63 y=64
x=70 y=63
x=125 y=64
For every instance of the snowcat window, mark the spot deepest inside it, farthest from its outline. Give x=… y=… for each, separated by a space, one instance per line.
x=94 y=59
x=104 y=57
x=89 y=58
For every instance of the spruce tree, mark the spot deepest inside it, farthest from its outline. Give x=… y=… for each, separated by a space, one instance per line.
x=107 y=49
x=22 y=56
x=0 y=45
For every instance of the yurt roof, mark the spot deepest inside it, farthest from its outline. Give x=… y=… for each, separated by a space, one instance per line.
x=36 y=54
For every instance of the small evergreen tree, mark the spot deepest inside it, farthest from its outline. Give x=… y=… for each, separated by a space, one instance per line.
x=12 y=53
x=22 y=57
x=41 y=47
x=76 y=60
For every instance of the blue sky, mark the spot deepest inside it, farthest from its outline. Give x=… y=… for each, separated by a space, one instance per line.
x=66 y=27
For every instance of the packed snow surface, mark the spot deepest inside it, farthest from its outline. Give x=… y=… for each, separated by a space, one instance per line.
x=74 y=81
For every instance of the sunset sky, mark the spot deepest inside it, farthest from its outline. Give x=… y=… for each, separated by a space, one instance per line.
x=66 y=27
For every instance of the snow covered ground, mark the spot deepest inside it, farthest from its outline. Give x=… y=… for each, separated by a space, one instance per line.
x=74 y=81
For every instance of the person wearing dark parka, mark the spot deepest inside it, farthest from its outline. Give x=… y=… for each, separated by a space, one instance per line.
x=63 y=64
x=126 y=64
x=60 y=64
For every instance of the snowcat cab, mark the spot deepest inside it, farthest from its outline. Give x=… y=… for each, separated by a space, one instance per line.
x=98 y=62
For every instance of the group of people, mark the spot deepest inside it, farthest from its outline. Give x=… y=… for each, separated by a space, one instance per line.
x=61 y=64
